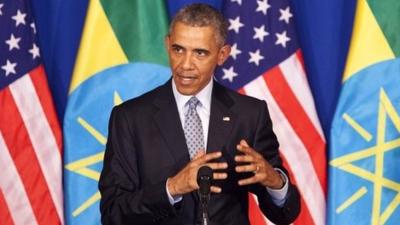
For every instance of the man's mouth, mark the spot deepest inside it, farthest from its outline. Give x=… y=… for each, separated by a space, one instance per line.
x=186 y=79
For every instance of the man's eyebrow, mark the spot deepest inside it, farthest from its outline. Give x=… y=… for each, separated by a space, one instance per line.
x=177 y=46
x=201 y=50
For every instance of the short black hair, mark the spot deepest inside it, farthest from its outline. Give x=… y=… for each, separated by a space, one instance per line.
x=200 y=15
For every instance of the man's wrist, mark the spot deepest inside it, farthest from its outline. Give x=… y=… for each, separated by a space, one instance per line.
x=172 y=198
x=282 y=181
x=279 y=195
x=279 y=181
x=171 y=187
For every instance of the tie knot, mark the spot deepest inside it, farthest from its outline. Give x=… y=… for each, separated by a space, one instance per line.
x=193 y=102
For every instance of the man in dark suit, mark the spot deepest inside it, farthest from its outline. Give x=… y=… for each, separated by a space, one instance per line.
x=158 y=141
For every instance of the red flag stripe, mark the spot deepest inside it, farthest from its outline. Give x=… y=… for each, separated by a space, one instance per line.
x=294 y=151
x=8 y=173
x=4 y=210
x=40 y=83
x=260 y=218
x=11 y=184
x=17 y=139
x=41 y=137
x=304 y=216
x=294 y=75
x=299 y=56
x=298 y=119
x=255 y=214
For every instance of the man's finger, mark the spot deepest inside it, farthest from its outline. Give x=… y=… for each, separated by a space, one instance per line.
x=248 y=151
x=217 y=166
x=246 y=168
x=244 y=158
x=215 y=189
x=244 y=149
x=207 y=157
x=244 y=143
x=250 y=180
x=220 y=176
x=199 y=153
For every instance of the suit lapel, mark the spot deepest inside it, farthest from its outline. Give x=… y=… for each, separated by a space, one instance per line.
x=221 y=119
x=168 y=121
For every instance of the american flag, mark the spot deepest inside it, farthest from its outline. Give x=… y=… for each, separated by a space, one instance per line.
x=30 y=137
x=266 y=63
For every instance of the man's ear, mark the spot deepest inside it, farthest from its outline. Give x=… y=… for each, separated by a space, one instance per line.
x=223 y=54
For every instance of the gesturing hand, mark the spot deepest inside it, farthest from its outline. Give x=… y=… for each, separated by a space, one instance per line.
x=264 y=173
x=186 y=179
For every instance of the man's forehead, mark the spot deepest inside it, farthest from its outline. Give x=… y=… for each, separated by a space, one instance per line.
x=179 y=26
x=183 y=33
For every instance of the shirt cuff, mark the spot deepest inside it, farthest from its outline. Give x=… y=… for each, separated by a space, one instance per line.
x=171 y=199
x=279 y=195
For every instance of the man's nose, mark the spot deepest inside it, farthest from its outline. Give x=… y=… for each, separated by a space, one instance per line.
x=187 y=62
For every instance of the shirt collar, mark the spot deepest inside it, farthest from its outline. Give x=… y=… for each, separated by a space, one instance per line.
x=204 y=96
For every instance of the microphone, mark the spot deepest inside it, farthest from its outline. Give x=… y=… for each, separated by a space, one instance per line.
x=204 y=179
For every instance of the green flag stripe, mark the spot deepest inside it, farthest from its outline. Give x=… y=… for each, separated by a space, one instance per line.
x=140 y=27
x=387 y=14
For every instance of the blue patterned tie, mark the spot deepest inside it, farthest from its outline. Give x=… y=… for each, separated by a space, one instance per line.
x=193 y=129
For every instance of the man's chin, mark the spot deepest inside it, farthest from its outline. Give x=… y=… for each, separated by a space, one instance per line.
x=186 y=91
x=187 y=87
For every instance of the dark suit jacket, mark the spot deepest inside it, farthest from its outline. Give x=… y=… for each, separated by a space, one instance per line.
x=146 y=145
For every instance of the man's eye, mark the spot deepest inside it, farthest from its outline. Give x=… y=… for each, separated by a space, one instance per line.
x=201 y=53
x=177 y=50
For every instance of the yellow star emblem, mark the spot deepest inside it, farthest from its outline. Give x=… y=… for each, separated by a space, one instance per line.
x=82 y=166
x=386 y=110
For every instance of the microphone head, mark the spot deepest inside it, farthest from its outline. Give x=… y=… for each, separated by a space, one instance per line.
x=204 y=178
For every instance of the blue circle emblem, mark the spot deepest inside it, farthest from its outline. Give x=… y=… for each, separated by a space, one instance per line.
x=85 y=131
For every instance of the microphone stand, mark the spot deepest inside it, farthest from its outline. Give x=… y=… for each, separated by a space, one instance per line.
x=204 y=210
x=204 y=178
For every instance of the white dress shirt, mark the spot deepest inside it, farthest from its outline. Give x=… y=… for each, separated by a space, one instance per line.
x=203 y=109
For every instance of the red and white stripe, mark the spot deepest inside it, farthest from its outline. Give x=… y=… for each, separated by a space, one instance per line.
x=11 y=184
x=295 y=122
x=30 y=153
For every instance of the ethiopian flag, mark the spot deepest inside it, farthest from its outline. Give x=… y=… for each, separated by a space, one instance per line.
x=364 y=186
x=121 y=56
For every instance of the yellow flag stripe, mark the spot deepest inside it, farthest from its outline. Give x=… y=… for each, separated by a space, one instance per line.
x=360 y=193
x=94 y=198
x=95 y=133
x=89 y=173
x=117 y=98
x=357 y=127
x=390 y=209
x=367 y=175
x=99 y=47
x=85 y=162
x=387 y=146
x=368 y=43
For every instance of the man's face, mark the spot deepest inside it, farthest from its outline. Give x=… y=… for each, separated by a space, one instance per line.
x=193 y=54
